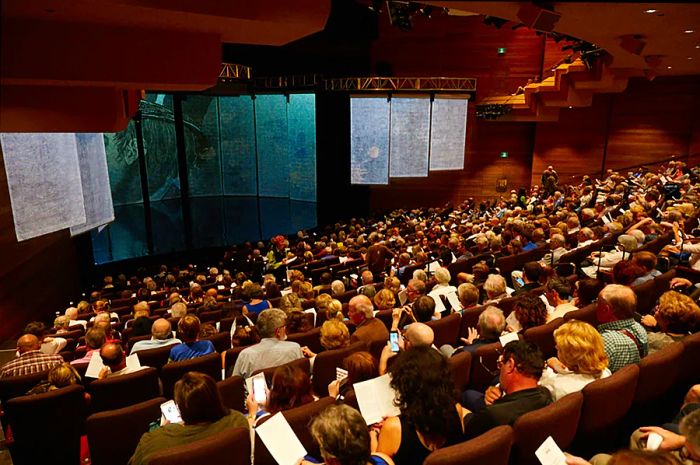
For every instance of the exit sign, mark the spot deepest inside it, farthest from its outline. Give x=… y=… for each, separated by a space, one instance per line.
x=504 y=154
x=501 y=50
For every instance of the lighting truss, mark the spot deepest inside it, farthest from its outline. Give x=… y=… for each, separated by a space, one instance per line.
x=403 y=84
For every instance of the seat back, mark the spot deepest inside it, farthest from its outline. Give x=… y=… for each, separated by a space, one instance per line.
x=559 y=420
x=230 y=357
x=587 y=314
x=209 y=364
x=133 y=340
x=646 y=297
x=299 y=419
x=484 y=366
x=221 y=341
x=605 y=403
x=446 y=329
x=15 y=386
x=302 y=363
x=232 y=391
x=470 y=319
x=658 y=372
x=310 y=339
x=543 y=337
x=326 y=363
x=121 y=391
x=47 y=427
x=229 y=447
x=492 y=448
x=691 y=355
x=155 y=358
x=460 y=366
x=113 y=435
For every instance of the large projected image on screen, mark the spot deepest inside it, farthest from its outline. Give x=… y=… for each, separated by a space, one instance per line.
x=301 y=140
x=271 y=140
x=448 y=133
x=238 y=145
x=410 y=133
x=369 y=140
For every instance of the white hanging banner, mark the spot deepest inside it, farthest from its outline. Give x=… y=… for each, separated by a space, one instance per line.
x=97 y=195
x=43 y=178
x=448 y=134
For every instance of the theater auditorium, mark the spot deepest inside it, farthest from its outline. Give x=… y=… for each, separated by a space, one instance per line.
x=349 y=232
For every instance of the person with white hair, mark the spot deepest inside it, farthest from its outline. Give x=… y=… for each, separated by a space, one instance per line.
x=626 y=244
x=495 y=288
x=178 y=310
x=72 y=313
x=337 y=288
x=442 y=276
x=557 y=249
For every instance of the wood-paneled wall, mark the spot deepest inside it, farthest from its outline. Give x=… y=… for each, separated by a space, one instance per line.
x=649 y=121
x=37 y=277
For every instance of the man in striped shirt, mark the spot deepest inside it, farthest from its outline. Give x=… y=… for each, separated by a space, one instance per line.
x=31 y=359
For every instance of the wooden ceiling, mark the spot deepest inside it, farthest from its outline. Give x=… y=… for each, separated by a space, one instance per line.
x=605 y=23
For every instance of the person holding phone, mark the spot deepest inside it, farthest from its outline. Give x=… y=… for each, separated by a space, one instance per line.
x=291 y=387
x=203 y=414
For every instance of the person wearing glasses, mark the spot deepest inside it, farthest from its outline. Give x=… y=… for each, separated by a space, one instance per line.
x=520 y=368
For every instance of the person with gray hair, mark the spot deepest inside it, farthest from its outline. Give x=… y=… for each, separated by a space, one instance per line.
x=72 y=313
x=337 y=288
x=161 y=336
x=491 y=324
x=624 y=339
x=557 y=249
x=178 y=310
x=369 y=329
x=495 y=288
x=442 y=276
x=272 y=350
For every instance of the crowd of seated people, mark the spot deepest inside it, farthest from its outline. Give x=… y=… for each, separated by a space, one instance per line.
x=504 y=262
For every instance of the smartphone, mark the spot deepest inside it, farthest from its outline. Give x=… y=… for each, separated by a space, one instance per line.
x=171 y=412
x=654 y=440
x=394 y=341
x=520 y=281
x=259 y=386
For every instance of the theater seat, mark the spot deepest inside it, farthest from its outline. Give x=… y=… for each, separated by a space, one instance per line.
x=326 y=363
x=121 y=391
x=302 y=363
x=691 y=355
x=172 y=372
x=587 y=314
x=299 y=419
x=310 y=339
x=114 y=434
x=232 y=391
x=559 y=420
x=14 y=386
x=492 y=448
x=543 y=337
x=605 y=403
x=229 y=447
x=47 y=427
x=446 y=329
x=155 y=358
x=460 y=366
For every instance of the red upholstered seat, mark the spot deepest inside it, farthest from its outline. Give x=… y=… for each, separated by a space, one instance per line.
x=232 y=391
x=229 y=447
x=446 y=329
x=460 y=366
x=172 y=372
x=122 y=391
x=114 y=434
x=492 y=448
x=543 y=336
x=15 y=386
x=326 y=363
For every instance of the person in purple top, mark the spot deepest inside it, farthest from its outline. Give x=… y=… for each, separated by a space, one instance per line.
x=191 y=347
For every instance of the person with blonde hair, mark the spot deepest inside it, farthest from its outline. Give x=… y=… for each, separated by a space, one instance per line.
x=334 y=335
x=393 y=284
x=59 y=377
x=676 y=316
x=290 y=302
x=384 y=300
x=580 y=359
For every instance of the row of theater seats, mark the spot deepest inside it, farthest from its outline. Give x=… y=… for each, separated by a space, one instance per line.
x=48 y=426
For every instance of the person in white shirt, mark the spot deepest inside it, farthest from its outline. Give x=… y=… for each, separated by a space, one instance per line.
x=442 y=276
x=115 y=364
x=72 y=313
x=556 y=245
x=558 y=292
x=581 y=359
x=49 y=345
x=161 y=336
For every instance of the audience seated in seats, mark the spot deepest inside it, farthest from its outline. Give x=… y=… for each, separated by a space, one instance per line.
x=334 y=335
x=520 y=368
x=558 y=293
x=31 y=359
x=369 y=329
x=416 y=335
x=49 y=345
x=94 y=339
x=580 y=359
x=291 y=388
x=393 y=284
x=60 y=324
x=337 y=288
x=529 y=311
x=141 y=323
x=59 y=376
x=161 y=335
x=606 y=260
x=430 y=416
x=415 y=288
x=203 y=415
x=557 y=244
x=100 y=306
x=290 y=302
x=492 y=323
x=360 y=366
x=207 y=330
x=178 y=310
x=325 y=283
x=72 y=314
x=676 y=316
x=272 y=350
x=647 y=262
x=243 y=332
x=625 y=272
x=442 y=276
x=256 y=303
x=322 y=302
x=106 y=327
x=625 y=340
x=495 y=288
x=424 y=309
x=114 y=361
x=191 y=347
x=298 y=322
x=531 y=274
x=468 y=295
x=384 y=300
x=342 y=436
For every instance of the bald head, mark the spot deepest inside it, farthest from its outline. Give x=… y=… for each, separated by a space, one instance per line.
x=161 y=329
x=420 y=335
x=28 y=342
x=72 y=313
x=112 y=355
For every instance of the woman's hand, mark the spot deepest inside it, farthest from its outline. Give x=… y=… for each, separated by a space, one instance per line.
x=307 y=352
x=649 y=321
x=334 y=388
x=555 y=364
x=251 y=404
